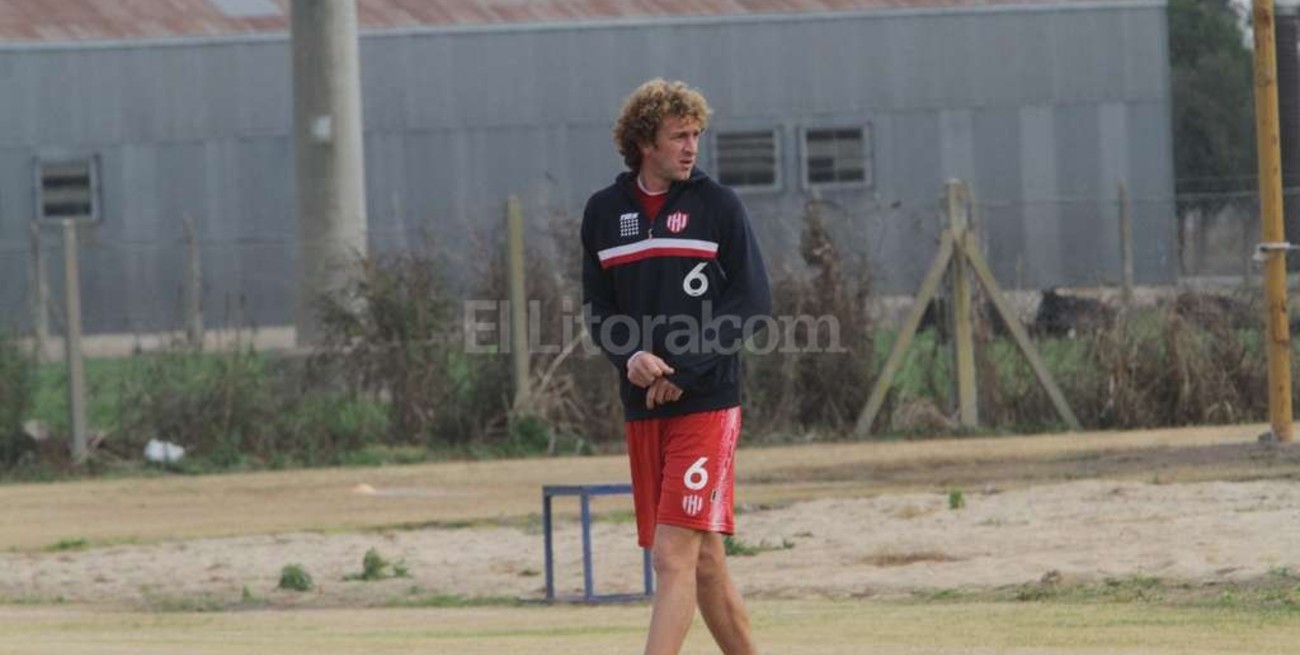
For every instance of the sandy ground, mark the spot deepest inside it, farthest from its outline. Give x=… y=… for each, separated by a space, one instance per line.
x=888 y=544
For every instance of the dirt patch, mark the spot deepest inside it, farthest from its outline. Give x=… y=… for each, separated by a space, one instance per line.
x=888 y=545
x=847 y=520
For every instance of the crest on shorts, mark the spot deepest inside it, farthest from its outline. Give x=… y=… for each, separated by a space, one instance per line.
x=677 y=221
x=692 y=505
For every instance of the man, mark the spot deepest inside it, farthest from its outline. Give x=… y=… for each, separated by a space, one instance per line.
x=673 y=280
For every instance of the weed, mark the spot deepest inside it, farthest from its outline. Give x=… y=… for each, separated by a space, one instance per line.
x=1133 y=588
x=450 y=600
x=248 y=600
x=736 y=548
x=1035 y=592
x=375 y=567
x=944 y=595
x=293 y=577
x=32 y=600
x=202 y=603
x=381 y=455
x=890 y=557
x=75 y=543
x=956 y=499
x=1226 y=599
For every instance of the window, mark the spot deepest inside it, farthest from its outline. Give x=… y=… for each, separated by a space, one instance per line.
x=67 y=189
x=836 y=156
x=747 y=159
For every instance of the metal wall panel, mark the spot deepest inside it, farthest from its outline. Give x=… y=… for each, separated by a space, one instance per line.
x=1043 y=109
x=1039 y=194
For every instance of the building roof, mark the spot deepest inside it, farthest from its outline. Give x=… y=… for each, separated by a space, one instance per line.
x=112 y=20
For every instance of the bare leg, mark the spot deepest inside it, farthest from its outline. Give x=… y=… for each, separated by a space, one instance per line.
x=720 y=602
x=676 y=551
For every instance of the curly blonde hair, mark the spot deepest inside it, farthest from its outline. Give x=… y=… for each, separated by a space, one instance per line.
x=646 y=109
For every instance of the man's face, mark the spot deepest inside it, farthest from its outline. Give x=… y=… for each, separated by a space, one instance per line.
x=672 y=155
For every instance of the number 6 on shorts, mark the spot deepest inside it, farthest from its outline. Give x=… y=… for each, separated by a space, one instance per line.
x=696 y=476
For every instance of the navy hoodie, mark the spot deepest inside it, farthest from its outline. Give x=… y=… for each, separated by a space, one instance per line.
x=687 y=285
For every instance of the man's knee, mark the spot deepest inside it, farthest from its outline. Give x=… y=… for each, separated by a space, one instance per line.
x=676 y=551
x=672 y=563
x=712 y=563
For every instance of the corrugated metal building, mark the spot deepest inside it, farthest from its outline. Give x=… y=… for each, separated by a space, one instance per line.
x=184 y=108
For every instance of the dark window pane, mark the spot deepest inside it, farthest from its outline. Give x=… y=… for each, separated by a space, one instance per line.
x=68 y=210
x=836 y=155
x=67 y=189
x=747 y=158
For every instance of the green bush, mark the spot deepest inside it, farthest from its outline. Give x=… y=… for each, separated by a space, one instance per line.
x=397 y=334
x=392 y=334
x=293 y=577
x=17 y=385
x=221 y=407
x=328 y=428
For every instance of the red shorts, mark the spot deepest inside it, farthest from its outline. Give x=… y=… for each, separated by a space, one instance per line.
x=682 y=471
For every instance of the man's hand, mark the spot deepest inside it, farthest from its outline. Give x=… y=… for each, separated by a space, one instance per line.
x=645 y=368
x=661 y=392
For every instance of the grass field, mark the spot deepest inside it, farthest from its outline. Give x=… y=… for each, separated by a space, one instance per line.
x=120 y=513
x=798 y=627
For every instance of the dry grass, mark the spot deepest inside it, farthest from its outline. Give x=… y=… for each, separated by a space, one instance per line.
x=184 y=507
x=812 y=627
x=175 y=507
x=900 y=557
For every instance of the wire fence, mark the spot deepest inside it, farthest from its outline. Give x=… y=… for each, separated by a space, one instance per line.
x=246 y=280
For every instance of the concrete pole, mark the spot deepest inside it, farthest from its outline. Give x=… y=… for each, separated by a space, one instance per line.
x=40 y=295
x=1270 y=209
x=72 y=343
x=330 y=153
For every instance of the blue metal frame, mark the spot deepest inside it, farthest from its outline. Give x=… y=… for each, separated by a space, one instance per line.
x=584 y=493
